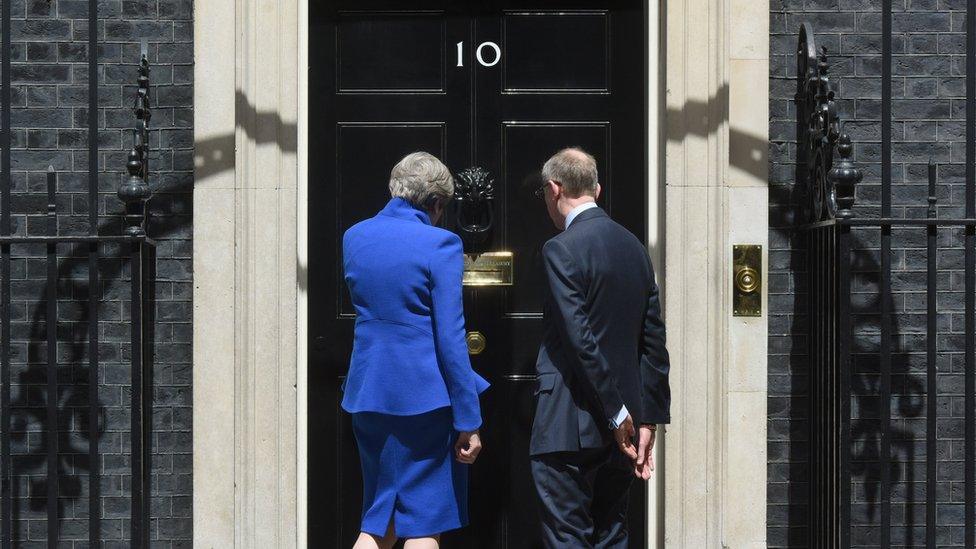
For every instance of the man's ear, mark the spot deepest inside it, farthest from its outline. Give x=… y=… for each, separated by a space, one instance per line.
x=556 y=189
x=599 y=189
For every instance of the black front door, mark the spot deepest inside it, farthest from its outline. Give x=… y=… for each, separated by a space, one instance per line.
x=501 y=86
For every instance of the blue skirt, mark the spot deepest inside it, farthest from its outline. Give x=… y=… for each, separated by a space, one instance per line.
x=410 y=474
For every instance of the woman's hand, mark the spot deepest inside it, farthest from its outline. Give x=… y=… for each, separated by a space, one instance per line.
x=467 y=447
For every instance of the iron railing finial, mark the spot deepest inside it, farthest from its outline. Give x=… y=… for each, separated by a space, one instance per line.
x=135 y=191
x=825 y=191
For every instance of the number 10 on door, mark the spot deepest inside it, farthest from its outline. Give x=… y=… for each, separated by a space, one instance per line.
x=496 y=54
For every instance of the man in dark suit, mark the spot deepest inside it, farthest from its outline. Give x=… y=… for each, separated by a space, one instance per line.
x=603 y=366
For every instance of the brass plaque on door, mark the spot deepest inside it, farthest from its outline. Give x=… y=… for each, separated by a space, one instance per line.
x=489 y=269
x=746 y=280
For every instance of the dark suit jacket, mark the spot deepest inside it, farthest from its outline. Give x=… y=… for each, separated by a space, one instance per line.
x=604 y=337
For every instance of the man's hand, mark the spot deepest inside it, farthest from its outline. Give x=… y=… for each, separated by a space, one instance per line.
x=624 y=434
x=645 y=452
x=467 y=447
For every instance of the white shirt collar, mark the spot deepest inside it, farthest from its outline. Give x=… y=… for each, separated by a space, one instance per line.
x=578 y=210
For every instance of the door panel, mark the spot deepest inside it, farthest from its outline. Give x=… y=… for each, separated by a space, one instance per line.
x=391 y=52
x=539 y=57
x=384 y=82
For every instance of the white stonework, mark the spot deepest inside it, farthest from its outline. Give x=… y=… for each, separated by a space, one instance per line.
x=249 y=279
x=716 y=174
x=245 y=274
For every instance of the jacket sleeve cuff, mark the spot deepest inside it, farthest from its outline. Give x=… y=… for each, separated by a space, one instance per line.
x=619 y=418
x=467 y=414
x=468 y=425
x=655 y=417
x=612 y=406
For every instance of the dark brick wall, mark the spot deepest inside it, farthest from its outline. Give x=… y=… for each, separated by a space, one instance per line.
x=49 y=121
x=928 y=89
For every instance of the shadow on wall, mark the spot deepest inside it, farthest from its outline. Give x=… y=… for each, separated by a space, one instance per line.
x=28 y=409
x=907 y=395
x=214 y=155
x=747 y=152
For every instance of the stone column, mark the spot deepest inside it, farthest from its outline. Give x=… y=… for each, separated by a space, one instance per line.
x=245 y=274
x=717 y=133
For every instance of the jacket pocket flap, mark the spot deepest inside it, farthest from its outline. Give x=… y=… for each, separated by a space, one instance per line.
x=544 y=383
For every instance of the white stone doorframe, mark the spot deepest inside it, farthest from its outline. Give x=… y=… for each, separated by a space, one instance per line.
x=250 y=248
x=716 y=196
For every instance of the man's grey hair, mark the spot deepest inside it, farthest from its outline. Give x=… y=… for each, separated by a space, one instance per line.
x=420 y=177
x=575 y=169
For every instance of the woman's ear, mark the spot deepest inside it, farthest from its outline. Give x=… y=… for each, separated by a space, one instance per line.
x=435 y=210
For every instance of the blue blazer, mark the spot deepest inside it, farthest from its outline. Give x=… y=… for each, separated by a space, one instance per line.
x=409 y=353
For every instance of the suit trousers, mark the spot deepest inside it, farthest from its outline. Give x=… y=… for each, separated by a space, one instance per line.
x=582 y=498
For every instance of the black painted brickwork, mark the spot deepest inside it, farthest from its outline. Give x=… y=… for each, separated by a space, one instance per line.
x=928 y=88
x=49 y=119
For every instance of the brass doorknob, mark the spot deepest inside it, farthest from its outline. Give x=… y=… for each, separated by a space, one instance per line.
x=476 y=342
x=746 y=279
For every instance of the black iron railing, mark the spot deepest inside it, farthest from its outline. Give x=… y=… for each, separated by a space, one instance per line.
x=826 y=180
x=140 y=253
x=823 y=200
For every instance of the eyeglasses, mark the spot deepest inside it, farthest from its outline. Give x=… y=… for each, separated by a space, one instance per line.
x=540 y=193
